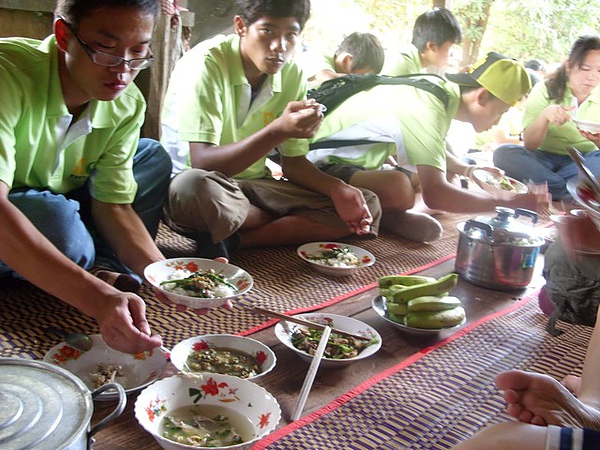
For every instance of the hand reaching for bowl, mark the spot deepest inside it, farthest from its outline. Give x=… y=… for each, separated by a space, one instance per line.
x=123 y=325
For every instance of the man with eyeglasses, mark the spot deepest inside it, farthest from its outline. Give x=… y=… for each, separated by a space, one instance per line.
x=78 y=187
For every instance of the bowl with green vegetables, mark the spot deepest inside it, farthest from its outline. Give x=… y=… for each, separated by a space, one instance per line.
x=198 y=283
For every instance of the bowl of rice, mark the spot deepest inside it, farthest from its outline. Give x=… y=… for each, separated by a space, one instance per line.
x=198 y=283
x=334 y=258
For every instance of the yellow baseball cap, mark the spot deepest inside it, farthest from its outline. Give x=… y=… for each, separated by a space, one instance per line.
x=504 y=77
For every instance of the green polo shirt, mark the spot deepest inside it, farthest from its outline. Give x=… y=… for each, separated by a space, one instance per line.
x=40 y=147
x=559 y=137
x=411 y=122
x=210 y=95
x=404 y=62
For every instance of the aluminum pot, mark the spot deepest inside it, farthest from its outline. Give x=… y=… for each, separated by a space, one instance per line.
x=498 y=253
x=47 y=407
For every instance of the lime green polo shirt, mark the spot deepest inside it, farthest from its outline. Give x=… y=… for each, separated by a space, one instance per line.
x=559 y=137
x=40 y=148
x=211 y=95
x=411 y=122
x=404 y=62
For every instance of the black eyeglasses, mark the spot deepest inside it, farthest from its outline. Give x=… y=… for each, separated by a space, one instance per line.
x=110 y=60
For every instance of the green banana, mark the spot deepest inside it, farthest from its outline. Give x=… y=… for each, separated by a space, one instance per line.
x=398 y=309
x=435 y=319
x=437 y=287
x=403 y=280
x=432 y=303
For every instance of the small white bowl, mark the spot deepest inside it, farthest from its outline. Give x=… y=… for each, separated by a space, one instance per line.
x=139 y=369
x=160 y=271
x=379 y=305
x=587 y=125
x=365 y=258
x=262 y=353
x=489 y=183
x=242 y=396
x=343 y=323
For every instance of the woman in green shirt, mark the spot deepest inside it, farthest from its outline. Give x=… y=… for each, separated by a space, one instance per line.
x=548 y=127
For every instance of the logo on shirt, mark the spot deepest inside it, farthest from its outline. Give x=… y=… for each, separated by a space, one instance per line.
x=268 y=117
x=81 y=170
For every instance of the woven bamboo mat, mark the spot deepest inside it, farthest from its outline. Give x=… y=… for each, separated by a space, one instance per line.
x=444 y=394
x=282 y=281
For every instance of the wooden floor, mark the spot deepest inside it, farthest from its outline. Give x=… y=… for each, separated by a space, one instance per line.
x=285 y=381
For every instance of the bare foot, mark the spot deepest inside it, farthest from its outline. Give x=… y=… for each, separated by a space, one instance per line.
x=572 y=383
x=541 y=400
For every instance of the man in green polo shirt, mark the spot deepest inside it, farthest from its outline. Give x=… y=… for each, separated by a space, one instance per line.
x=75 y=183
x=434 y=34
x=231 y=101
x=412 y=123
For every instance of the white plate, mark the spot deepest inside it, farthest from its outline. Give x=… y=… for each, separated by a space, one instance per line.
x=344 y=323
x=574 y=186
x=365 y=258
x=139 y=369
x=263 y=354
x=587 y=125
x=160 y=271
x=486 y=181
x=379 y=305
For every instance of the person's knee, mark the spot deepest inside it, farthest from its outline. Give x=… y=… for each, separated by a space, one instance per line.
x=57 y=218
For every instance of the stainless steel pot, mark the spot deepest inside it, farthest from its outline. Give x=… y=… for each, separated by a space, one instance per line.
x=44 y=406
x=498 y=253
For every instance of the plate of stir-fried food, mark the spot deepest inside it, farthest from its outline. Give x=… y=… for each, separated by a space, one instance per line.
x=341 y=350
x=498 y=184
x=334 y=258
x=102 y=364
x=198 y=283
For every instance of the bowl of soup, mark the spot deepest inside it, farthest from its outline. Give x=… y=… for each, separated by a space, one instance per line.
x=226 y=354
x=206 y=411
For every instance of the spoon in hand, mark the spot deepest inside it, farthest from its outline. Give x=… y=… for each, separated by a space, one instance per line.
x=80 y=341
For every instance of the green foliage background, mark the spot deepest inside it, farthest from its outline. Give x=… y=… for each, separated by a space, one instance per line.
x=523 y=29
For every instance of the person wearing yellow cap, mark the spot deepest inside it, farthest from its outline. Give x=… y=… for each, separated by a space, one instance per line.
x=356 y=138
x=571 y=92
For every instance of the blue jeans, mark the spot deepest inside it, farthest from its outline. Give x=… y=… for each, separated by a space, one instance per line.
x=540 y=166
x=66 y=220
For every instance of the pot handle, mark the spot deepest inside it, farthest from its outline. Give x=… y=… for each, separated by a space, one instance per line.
x=526 y=212
x=485 y=227
x=113 y=415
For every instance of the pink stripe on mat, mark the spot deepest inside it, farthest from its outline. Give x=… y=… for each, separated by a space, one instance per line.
x=341 y=297
x=284 y=431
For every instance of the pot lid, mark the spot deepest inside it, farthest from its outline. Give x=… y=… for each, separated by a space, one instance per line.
x=505 y=227
x=43 y=405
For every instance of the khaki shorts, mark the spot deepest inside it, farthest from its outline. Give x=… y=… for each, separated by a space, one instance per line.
x=203 y=201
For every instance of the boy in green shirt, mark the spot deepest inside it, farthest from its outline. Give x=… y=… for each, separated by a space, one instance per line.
x=434 y=34
x=412 y=124
x=232 y=100
x=358 y=53
x=74 y=180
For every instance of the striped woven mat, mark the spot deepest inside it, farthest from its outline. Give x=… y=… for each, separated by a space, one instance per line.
x=444 y=394
x=282 y=282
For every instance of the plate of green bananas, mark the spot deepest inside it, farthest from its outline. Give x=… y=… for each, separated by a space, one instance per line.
x=419 y=304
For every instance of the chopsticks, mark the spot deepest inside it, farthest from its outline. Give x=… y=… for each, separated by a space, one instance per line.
x=306 y=323
x=312 y=372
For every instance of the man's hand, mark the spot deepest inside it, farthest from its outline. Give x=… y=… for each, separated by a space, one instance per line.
x=352 y=208
x=301 y=119
x=123 y=324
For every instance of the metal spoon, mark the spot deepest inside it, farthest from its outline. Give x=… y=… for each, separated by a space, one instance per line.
x=579 y=161
x=80 y=341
